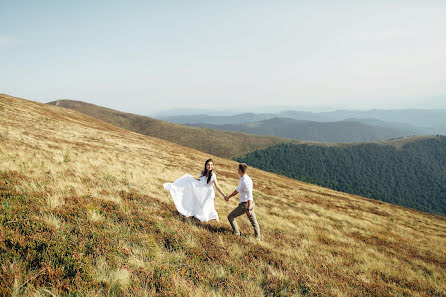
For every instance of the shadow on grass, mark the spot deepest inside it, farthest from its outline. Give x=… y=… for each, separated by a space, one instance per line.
x=210 y=226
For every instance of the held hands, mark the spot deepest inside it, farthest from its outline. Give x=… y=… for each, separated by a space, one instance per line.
x=226 y=197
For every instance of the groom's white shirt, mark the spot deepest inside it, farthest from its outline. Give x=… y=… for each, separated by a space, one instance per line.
x=244 y=188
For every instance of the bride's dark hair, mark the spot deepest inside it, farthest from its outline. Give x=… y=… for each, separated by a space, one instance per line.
x=205 y=171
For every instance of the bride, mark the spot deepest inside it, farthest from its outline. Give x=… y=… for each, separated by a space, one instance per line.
x=195 y=196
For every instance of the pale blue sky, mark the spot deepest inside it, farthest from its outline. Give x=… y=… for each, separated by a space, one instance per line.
x=144 y=56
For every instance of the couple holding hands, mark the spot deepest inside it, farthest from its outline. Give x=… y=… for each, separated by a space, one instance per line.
x=195 y=196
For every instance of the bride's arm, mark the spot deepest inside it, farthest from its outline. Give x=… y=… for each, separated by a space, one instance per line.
x=218 y=188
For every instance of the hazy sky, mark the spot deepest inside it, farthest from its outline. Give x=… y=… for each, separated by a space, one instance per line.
x=143 y=56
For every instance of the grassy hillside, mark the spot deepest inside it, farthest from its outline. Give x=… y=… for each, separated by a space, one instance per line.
x=220 y=143
x=83 y=213
x=341 y=131
x=408 y=171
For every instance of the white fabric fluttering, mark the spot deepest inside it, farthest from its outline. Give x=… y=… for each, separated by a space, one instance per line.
x=194 y=198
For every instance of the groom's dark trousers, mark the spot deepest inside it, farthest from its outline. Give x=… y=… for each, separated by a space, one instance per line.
x=240 y=210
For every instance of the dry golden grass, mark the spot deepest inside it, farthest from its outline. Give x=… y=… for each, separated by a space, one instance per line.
x=83 y=211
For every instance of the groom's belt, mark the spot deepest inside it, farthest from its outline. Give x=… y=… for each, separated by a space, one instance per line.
x=244 y=203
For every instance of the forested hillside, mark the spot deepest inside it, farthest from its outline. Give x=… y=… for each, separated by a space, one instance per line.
x=412 y=174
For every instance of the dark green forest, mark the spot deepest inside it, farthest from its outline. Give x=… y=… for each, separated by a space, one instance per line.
x=412 y=175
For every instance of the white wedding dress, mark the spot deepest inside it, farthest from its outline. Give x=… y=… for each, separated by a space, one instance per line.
x=194 y=198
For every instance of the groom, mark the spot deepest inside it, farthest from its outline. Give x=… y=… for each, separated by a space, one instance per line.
x=246 y=205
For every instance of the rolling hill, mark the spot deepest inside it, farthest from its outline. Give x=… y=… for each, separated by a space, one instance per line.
x=341 y=131
x=220 y=143
x=83 y=213
x=409 y=171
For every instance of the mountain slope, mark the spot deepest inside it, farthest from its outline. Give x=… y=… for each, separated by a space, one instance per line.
x=221 y=143
x=342 y=131
x=83 y=212
x=408 y=172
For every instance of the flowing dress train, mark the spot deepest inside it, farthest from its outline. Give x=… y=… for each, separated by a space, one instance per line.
x=194 y=198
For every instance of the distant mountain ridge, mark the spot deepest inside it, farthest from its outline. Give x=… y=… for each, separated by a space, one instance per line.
x=434 y=120
x=425 y=121
x=218 y=120
x=220 y=143
x=340 y=131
